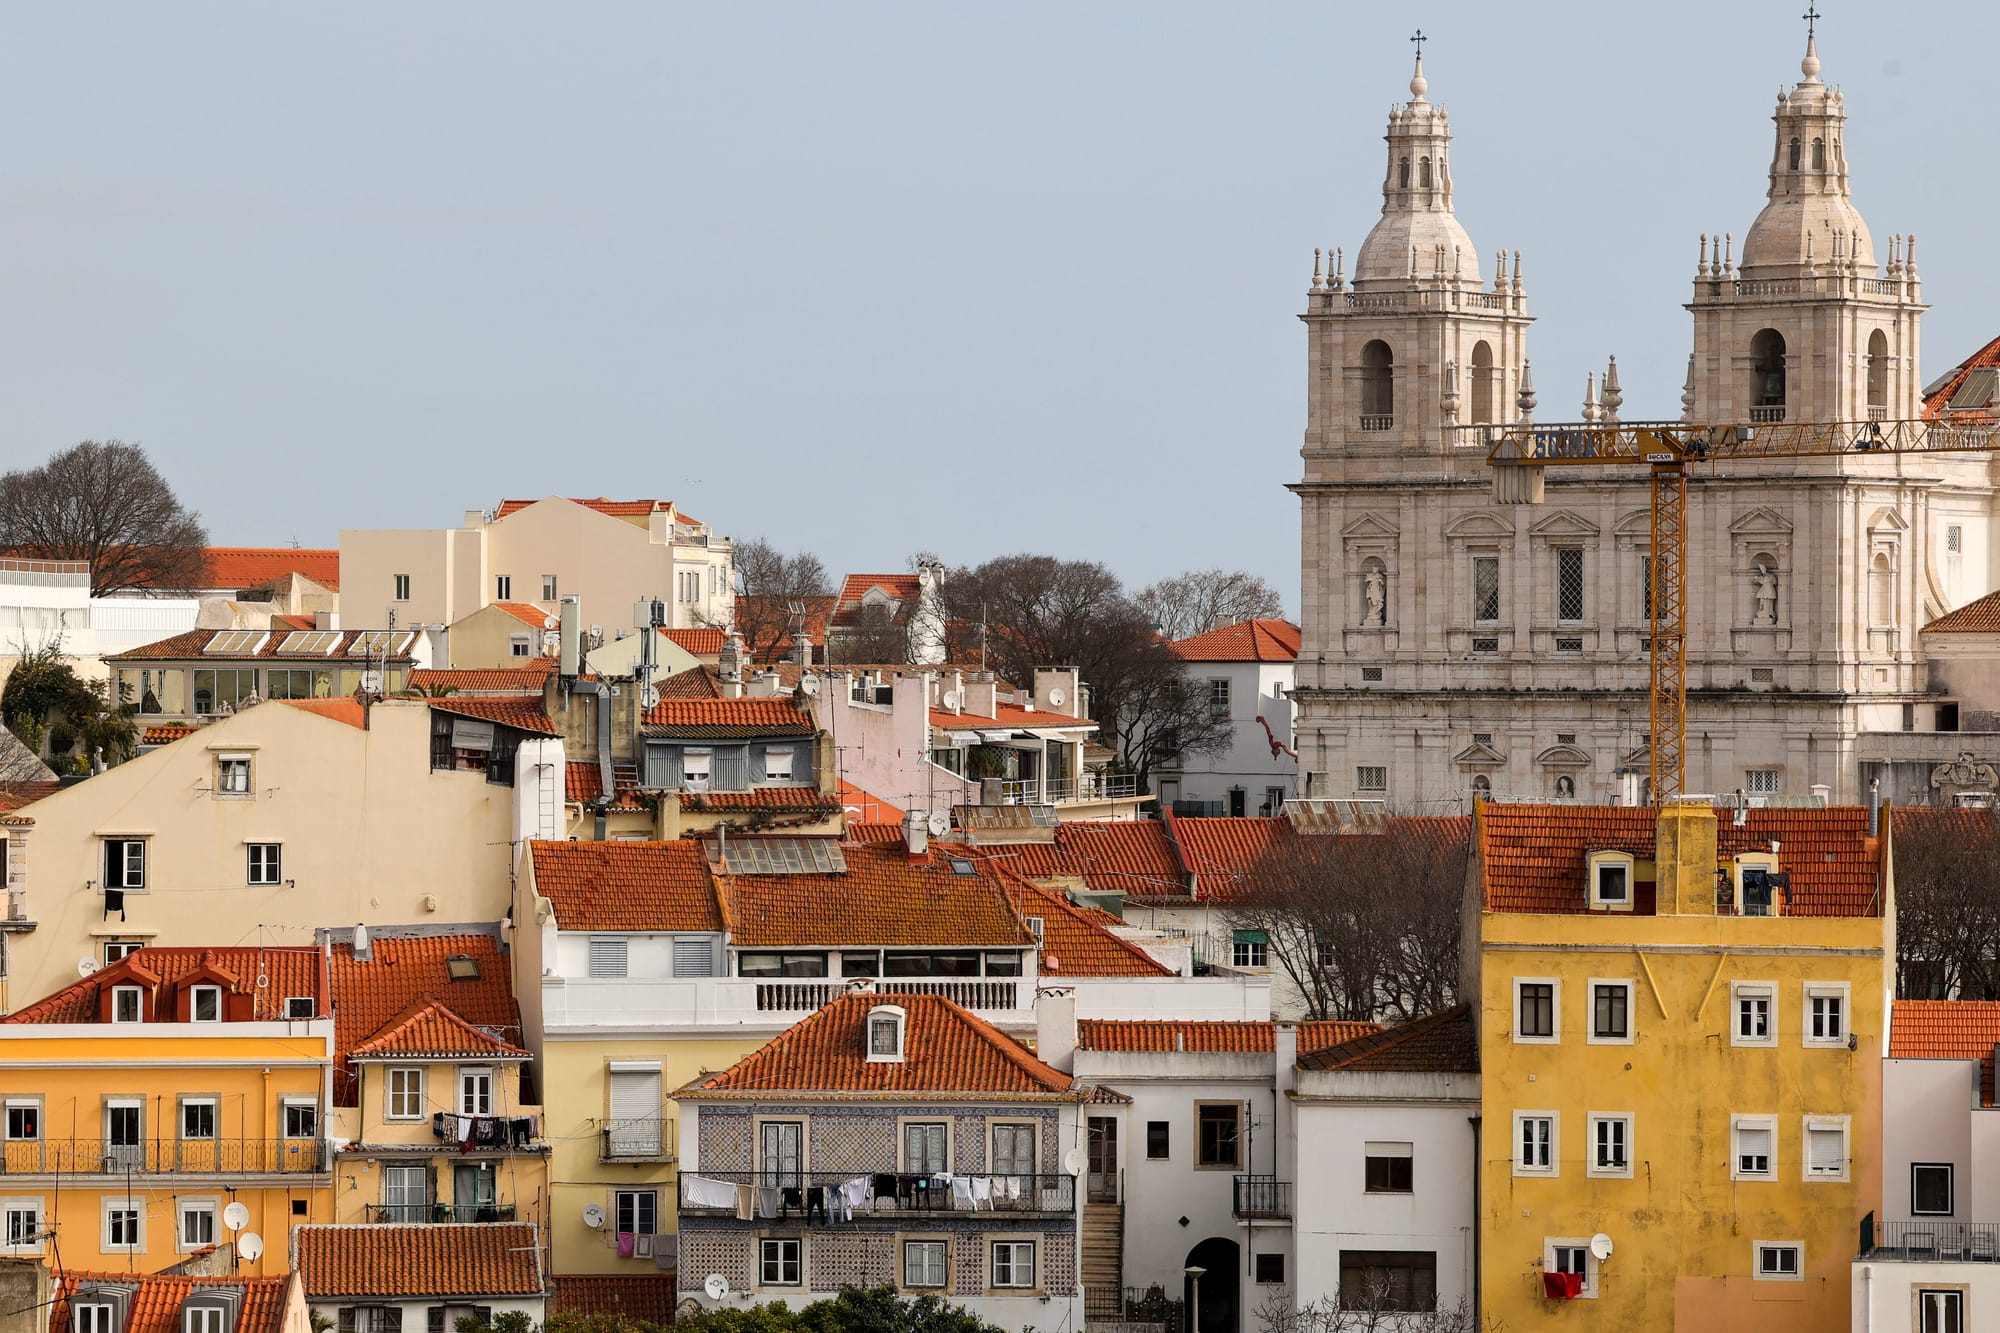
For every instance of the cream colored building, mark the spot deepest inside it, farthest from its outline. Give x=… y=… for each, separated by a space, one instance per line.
x=1452 y=644
x=610 y=553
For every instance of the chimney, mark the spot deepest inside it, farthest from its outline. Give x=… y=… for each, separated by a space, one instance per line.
x=916 y=835
x=572 y=636
x=1684 y=857
x=1874 y=807
x=326 y=620
x=363 y=952
x=1055 y=1028
x=729 y=665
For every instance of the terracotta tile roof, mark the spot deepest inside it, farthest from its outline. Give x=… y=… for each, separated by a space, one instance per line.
x=166 y=971
x=1246 y=641
x=166 y=733
x=521 y=714
x=1948 y=1030
x=416 y=1259
x=527 y=678
x=694 y=683
x=1160 y=1036
x=1980 y=616
x=1222 y=853
x=873 y=832
x=626 y=509
x=156 y=1304
x=526 y=612
x=1986 y=357
x=405 y=971
x=1076 y=943
x=761 y=798
x=702 y=642
x=1446 y=1042
x=14 y=795
x=1532 y=856
x=948 y=1051
x=429 y=1029
x=864 y=808
x=627 y=885
x=646 y=1298
x=1132 y=856
x=293 y=622
x=884 y=898
x=904 y=589
x=725 y=719
x=189 y=645
x=1007 y=718
x=252 y=566
x=583 y=783
x=348 y=710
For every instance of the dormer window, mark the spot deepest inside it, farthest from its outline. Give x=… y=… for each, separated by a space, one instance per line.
x=91 y=1318
x=885 y=1034
x=205 y=1004
x=1611 y=881
x=127 y=1004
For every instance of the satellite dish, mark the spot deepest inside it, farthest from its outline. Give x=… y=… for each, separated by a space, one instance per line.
x=86 y=965
x=809 y=685
x=593 y=1215
x=249 y=1246
x=939 y=823
x=951 y=698
x=1600 y=1246
x=550 y=622
x=236 y=1217
x=1074 y=1161
x=716 y=1285
x=1056 y=698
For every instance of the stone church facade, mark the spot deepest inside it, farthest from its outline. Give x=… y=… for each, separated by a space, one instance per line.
x=1455 y=645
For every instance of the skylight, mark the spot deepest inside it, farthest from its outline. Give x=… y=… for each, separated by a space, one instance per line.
x=460 y=967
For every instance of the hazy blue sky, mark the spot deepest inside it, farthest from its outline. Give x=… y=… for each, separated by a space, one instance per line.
x=868 y=277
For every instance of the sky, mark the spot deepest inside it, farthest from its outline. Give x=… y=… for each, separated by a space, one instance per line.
x=868 y=279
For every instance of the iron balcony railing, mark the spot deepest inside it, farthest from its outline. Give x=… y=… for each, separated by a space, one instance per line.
x=20 y=1157
x=645 y=1139
x=800 y=1194
x=440 y=1212
x=1061 y=791
x=808 y=996
x=1132 y=1305
x=1932 y=1240
x=1263 y=1196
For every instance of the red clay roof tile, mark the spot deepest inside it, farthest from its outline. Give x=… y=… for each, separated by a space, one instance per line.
x=429 y=1029
x=418 y=1259
x=404 y=971
x=627 y=885
x=646 y=1298
x=1076 y=943
x=626 y=509
x=700 y=641
x=522 y=714
x=1161 y=1036
x=253 y=566
x=1446 y=1042
x=1980 y=616
x=1246 y=641
x=1007 y=718
x=883 y=898
x=283 y=971
x=527 y=678
x=350 y=711
x=723 y=719
x=157 y=1301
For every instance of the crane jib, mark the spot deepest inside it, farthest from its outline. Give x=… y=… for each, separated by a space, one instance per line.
x=1564 y=444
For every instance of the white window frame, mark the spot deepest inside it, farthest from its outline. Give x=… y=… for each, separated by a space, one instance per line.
x=1592 y=1166
x=115 y=951
x=1763 y=781
x=471 y=1101
x=137 y=997
x=1555 y=1011
x=134 y=857
x=285 y=1110
x=186 y=1208
x=195 y=996
x=202 y=1319
x=1600 y=861
x=1838 y=991
x=272 y=872
x=30 y=1205
x=234 y=776
x=1364 y=781
x=520 y=645
x=1931 y=1295
x=943 y=1246
x=890 y=1018
x=410 y=1092
x=106 y=1209
x=1550 y=1244
x=1825 y=1124
x=1740 y=991
x=1013 y=1246
x=214 y=1105
x=1553 y=1167
x=1631 y=989
x=1798 y=1249
x=548 y=587
x=780 y=763
x=14 y=1104
x=797 y=1261
x=1737 y=1124
x=299 y=1007
x=688 y=778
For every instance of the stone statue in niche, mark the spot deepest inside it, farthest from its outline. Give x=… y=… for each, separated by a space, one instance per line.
x=1375 y=597
x=1565 y=788
x=1764 y=587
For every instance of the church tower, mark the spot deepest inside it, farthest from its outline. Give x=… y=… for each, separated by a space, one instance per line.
x=1807 y=328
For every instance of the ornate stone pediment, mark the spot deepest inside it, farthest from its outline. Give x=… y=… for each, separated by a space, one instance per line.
x=1371 y=526
x=1563 y=756
x=1966 y=773
x=1635 y=523
x=1887 y=519
x=1761 y=521
x=1563 y=523
x=1479 y=755
x=1479 y=526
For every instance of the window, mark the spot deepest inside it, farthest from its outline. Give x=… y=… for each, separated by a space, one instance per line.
x=406 y=1193
x=24 y=1120
x=696 y=765
x=266 y=863
x=218 y=690
x=21 y=1226
x=503 y=588
x=1486 y=589
x=1778 y=1260
x=125 y=1004
x=301 y=1120
x=1566 y=1256
x=300 y=1006
x=1569 y=585
x=406 y=1094
x=779 y=1261
x=475 y=1090
x=885 y=1033
x=1610 y=1145
x=520 y=645
x=1269 y=1269
x=1371 y=777
x=114 y=950
x=1388 y=1281
x=1752 y=1004
x=607 y=956
x=923 y=1148
x=778 y=764
x=1941 y=1310
x=1826 y=1014
x=1217 y=1125
x=1378 y=381
x=197 y=1117
x=1752 y=1146
x=91 y=1319
x=293 y=683
x=1158 y=1139
x=205 y=1004
x=635 y=1212
x=1535 y=1009
x=125 y=864
x=1610 y=879
x=1218 y=698
x=402 y=587
x=122 y=1225
x=1826 y=1147
x=548 y=587
x=197 y=1227
x=371 y=1319
x=1931 y=1189
x=923 y=1263
x=1761 y=781
x=1387 y=1168
x=1535 y=1143
x=1013 y=1263
x=1249 y=948
x=1954 y=539
x=1014 y=1150
x=1610 y=1011
x=782 y=1158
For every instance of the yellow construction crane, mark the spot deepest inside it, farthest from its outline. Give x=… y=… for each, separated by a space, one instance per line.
x=1671 y=449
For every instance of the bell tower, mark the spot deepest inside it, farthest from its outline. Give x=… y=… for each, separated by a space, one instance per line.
x=1809 y=327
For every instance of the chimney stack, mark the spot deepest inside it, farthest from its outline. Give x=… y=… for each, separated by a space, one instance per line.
x=1055 y=1028
x=916 y=835
x=572 y=636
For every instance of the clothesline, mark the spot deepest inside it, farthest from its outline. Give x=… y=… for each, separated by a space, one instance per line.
x=839 y=1202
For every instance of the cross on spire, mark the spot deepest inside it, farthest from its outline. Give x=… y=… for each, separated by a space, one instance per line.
x=1811 y=16
x=1420 y=39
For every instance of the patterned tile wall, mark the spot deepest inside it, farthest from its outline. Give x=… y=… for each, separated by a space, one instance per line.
x=857 y=1138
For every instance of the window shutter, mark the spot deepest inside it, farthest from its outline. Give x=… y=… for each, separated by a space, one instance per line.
x=692 y=957
x=635 y=1112
x=607 y=956
x=1823 y=1145
x=732 y=768
x=757 y=769
x=663 y=767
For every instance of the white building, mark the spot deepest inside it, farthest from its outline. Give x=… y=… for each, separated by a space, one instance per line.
x=42 y=601
x=1452 y=642
x=1245 y=671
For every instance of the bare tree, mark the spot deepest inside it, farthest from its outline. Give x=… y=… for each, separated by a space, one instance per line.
x=1202 y=599
x=1947 y=904
x=107 y=504
x=778 y=593
x=875 y=634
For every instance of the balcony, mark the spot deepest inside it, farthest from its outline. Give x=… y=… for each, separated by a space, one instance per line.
x=648 y=1139
x=649 y=1002
x=1063 y=791
x=1767 y=415
x=1378 y=421
x=1263 y=1197
x=1930 y=1241
x=439 y=1212
x=204 y=1157
x=891 y=1194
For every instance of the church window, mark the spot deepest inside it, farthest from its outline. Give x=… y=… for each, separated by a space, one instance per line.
x=1882 y=591
x=1403 y=173
x=1794 y=163
x=1878 y=372
x=1767 y=376
x=1646 y=588
x=1569 y=584
x=1424 y=173
x=1378 y=384
x=1819 y=155
x=1486 y=589
x=1482 y=383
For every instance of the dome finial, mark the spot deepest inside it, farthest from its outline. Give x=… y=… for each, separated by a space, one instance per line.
x=1810 y=65
x=1419 y=84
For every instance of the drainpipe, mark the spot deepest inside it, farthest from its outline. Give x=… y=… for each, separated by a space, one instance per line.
x=1478 y=1222
x=1874 y=807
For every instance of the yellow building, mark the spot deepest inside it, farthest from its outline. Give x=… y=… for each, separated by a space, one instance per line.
x=1681 y=1029
x=143 y=1100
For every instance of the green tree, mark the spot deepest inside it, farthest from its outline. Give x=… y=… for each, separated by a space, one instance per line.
x=47 y=703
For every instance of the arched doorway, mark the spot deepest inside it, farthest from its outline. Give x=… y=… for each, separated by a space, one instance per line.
x=1221 y=1281
x=1767 y=376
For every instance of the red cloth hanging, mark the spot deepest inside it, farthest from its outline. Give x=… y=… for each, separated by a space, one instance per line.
x=1562 y=1286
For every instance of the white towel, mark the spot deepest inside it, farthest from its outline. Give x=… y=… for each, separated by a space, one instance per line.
x=1013 y=1187
x=702 y=1192
x=961 y=1190
x=853 y=1194
x=982 y=1191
